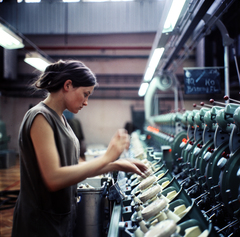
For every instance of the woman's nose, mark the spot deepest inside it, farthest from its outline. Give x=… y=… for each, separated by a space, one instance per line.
x=85 y=103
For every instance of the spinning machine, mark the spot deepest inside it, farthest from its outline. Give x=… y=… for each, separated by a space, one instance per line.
x=193 y=183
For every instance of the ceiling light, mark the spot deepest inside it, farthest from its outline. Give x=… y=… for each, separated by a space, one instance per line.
x=149 y=74
x=173 y=15
x=8 y=39
x=32 y=1
x=70 y=0
x=107 y=0
x=94 y=0
x=153 y=64
x=143 y=89
x=37 y=60
x=156 y=57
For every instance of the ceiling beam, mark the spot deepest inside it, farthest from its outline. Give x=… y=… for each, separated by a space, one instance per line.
x=185 y=35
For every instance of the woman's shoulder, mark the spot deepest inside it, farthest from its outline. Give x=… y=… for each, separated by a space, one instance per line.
x=39 y=109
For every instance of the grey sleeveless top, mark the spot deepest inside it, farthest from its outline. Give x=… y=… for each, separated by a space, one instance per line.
x=39 y=212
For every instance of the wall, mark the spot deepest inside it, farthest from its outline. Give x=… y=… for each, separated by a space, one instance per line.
x=100 y=119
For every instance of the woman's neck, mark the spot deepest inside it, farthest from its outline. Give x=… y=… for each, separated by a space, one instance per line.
x=53 y=102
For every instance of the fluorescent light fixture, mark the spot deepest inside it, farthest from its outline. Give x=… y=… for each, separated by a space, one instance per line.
x=36 y=60
x=95 y=0
x=71 y=0
x=157 y=54
x=149 y=74
x=8 y=39
x=143 y=89
x=107 y=0
x=32 y=1
x=173 y=15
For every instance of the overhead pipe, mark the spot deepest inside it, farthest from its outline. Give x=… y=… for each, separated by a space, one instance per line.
x=227 y=41
x=153 y=87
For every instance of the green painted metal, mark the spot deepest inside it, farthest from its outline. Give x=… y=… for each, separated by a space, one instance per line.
x=212 y=171
x=230 y=183
x=200 y=161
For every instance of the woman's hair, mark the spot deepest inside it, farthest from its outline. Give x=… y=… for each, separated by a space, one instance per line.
x=55 y=75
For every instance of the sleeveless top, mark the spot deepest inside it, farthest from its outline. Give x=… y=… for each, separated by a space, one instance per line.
x=39 y=212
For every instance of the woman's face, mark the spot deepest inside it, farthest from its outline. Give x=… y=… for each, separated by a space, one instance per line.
x=77 y=97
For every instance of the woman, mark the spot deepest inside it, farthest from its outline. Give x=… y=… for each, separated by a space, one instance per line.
x=49 y=154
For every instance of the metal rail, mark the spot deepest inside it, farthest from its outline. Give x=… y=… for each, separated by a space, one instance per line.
x=115 y=219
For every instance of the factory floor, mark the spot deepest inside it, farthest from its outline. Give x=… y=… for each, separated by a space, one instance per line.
x=9 y=183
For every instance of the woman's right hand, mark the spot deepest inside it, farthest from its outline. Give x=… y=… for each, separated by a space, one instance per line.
x=117 y=145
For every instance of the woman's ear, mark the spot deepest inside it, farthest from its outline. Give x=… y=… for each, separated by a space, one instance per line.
x=67 y=85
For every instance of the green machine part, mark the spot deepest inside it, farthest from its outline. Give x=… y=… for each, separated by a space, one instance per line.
x=192 y=157
x=198 y=141
x=169 y=123
x=190 y=135
x=173 y=143
x=221 y=146
x=234 y=142
x=208 y=139
x=169 y=133
x=229 y=181
x=225 y=126
x=212 y=171
x=176 y=149
x=200 y=163
x=229 y=178
x=197 y=118
x=186 y=149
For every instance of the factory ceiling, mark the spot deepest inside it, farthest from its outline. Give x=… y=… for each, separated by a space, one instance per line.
x=115 y=39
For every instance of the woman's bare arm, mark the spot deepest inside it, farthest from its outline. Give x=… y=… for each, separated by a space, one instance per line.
x=57 y=177
x=126 y=165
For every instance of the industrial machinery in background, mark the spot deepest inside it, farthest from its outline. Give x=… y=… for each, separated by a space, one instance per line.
x=193 y=184
x=7 y=156
x=7 y=159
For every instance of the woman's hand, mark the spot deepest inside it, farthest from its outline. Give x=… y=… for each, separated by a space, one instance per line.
x=117 y=145
x=141 y=166
x=132 y=166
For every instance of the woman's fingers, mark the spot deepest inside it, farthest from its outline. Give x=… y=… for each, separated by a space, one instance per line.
x=127 y=165
x=124 y=137
x=118 y=144
x=139 y=164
